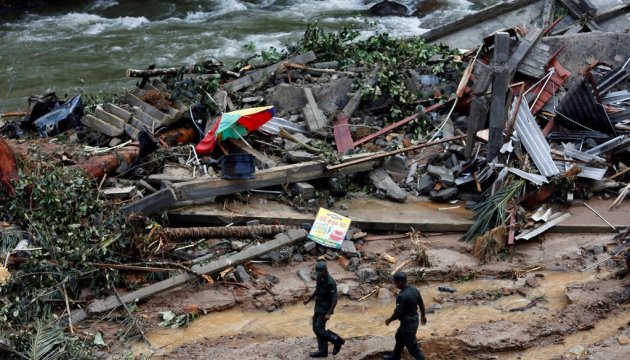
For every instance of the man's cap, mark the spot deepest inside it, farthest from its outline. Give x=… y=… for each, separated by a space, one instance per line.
x=320 y=267
x=400 y=276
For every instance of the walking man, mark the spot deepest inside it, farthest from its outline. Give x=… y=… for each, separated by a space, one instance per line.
x=407 y=304
x=325 y=295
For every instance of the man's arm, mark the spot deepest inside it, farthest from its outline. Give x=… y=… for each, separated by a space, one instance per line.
x=397 y=311
x=423 y=317
x=333 y=298
x=310 y=297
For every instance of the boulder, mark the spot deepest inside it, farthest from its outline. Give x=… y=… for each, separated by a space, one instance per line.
x=389 y=8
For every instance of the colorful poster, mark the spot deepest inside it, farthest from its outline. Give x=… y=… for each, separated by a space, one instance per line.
x=329 y=229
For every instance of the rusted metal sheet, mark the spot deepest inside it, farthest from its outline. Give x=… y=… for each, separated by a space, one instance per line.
x=532 y=137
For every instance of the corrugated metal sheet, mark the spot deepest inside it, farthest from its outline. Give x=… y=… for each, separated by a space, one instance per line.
x=533 y=139
x=588 y=172
x=620 y=141
x=554 y=220
x=579 y=110
x=273 y=126
x=613 y=77
x=615 y=97
x=533 y=178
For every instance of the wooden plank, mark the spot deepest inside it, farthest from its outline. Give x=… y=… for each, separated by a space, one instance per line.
x=111 y=119
x=475 y=18
x=612 y=12
x=476 y=121
x=524 y=47
x=280 y=240
x=293 y=173
x=500 y=86
x=315 y=119
x=578 y=13
x=253 y=78
x=549 y=10
x=151 y=204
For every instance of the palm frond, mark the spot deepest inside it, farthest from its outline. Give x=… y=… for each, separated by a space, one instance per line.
x=492 y=212
x=47 y=343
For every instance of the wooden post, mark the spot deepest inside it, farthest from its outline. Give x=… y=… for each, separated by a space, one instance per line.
x=152 y=203
x=315 y=119
x=476 y=121
x=500 y=85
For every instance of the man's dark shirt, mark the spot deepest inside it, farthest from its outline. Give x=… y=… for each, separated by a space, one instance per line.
x=407 y=303
x=325 y=292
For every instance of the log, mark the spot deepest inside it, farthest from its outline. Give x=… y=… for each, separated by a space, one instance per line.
x=8 y=165
x=98 y=166
x=178 y=234
x=474 y=19
x=280 y=240
x=210 y=66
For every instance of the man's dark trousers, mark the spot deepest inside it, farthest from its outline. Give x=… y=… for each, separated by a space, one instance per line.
x=406 y=337
x=323 y=336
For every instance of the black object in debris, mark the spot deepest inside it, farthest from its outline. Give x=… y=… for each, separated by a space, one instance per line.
x=61 y=119
x=237 y=166
x=39 y=106
x=447 y=289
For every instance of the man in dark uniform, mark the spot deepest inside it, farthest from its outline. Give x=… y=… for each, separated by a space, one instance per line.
x=325 y=295
x=407 y=304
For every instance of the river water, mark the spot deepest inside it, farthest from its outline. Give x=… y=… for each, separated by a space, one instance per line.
x=88 y=45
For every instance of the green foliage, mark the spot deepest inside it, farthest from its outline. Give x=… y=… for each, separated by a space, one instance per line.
x=393 y=58
x=70 y=228
x=174 y=321
x=46 y=342
x=492 y=212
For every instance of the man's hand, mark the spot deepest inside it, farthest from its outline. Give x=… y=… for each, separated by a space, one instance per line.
x=423 y=320
x=387 y=322
x=327 y=316
x=306 y=301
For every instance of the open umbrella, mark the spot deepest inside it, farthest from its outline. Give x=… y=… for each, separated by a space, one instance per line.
x=235 y=125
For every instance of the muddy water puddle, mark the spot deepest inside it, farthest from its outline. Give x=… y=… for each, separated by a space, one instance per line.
x=352 y=319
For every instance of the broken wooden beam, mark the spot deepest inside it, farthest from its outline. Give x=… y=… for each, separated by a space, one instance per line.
x=476 y=121
x=500 y=86
x=315 y=118
x=255 y=77
x=280 y=240
x=305 y=171
x=151 y=204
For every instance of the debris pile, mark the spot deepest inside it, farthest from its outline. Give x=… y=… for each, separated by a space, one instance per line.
x=505 y=128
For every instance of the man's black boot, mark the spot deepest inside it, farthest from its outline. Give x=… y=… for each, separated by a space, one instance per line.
x=390 y=357
x=338 y=341
x=319 y=354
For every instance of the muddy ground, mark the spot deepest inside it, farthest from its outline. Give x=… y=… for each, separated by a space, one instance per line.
x=491 y=316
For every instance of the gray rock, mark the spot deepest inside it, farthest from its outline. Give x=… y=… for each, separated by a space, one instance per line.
x=447 y=289
x=443 y=195
x=348 y=249
x=397 y=164
x=389 y=8
x=384 y=182
x=287 y=98
x=425 y=184
x=304 y=274
x=237 y=245
x=309 y=245
x=241 y=274
x=298 y=156
x=354 y=264
x=333 y=95
x=433 y=308
x=297 y=257
x=445 y=175
x=598 y=249
x=366 y=274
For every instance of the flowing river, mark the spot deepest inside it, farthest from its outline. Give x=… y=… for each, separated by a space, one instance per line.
x=88 y=45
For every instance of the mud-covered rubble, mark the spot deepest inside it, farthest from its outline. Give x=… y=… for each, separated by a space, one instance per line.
x=483 y=129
